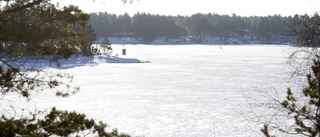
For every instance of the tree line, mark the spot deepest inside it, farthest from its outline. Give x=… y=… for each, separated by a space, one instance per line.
x=150 y=26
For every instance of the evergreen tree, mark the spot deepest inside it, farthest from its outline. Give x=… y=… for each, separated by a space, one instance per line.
x=42 y=29
x=306 y=116
x=106 y=45
x=37 y=28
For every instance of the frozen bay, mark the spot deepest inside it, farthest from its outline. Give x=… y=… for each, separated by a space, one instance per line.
x=189 y=90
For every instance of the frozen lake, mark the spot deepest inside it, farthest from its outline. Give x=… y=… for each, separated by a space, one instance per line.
x=188 y=91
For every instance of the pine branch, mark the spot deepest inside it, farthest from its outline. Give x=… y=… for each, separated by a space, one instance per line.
x=28 y=5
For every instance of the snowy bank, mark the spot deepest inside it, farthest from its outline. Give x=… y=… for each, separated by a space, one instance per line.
x=207 y=40
x=72 y=62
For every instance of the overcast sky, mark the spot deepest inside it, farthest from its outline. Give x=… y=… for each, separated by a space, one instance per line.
x=189 y=7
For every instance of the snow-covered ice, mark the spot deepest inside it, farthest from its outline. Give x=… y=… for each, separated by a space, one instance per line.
x=163 y=91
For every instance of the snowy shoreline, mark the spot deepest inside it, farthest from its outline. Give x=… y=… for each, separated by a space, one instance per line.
x=205 y=40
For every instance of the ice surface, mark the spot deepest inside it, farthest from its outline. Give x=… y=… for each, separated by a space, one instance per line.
x=163 y=91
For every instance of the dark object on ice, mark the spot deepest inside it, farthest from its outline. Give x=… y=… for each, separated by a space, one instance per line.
x=124 y=51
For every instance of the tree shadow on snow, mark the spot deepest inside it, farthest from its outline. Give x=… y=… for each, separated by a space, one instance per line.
x=113 y=59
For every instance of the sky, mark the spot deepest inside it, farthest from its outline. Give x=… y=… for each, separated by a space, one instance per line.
x=189 y=7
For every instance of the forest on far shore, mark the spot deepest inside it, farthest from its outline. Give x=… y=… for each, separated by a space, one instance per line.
x=148 y=26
